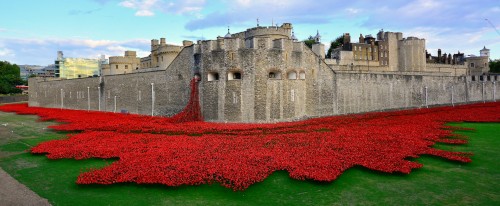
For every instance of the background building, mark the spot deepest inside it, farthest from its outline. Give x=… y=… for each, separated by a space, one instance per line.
x=71 y=68
x=162 y=54
x=38 y=71
x=29 y=70
x=128 y=63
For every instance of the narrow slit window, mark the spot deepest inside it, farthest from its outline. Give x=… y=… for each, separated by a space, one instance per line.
x=213 y=76
x=233 y=75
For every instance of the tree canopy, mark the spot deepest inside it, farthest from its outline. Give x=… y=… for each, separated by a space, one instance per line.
x=10 y=76
x=334 y=44
x=495 y=66
x=309 y=42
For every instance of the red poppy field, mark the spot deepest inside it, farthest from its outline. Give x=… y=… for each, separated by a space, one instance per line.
x=162 y=150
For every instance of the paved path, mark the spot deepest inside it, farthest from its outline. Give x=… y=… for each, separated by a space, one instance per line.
x=14 y=193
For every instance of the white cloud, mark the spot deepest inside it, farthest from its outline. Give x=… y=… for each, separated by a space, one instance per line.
x=143 y=7
x=148 y=7
x=3 y=30
x=144 y=13
x=451 y=42
x=43 y=51
x=4 y=52
x=244 y=11
x=352 y=10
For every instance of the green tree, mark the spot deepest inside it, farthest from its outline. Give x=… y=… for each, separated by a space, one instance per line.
x=309 y=42
x=339 y=41
x=10 y=76
x=495 y=66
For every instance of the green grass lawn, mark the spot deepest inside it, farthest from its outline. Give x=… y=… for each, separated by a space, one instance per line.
x=439 y=182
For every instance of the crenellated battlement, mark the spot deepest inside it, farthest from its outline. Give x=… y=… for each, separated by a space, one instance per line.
x=273 y=32
x=235 y=44
x=169 y=49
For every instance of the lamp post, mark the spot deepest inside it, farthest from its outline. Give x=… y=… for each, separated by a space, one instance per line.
x=62 y=99
x=152 y=99
x=99 y=93
x=88 y=98
x=426 y=104
x=452 y=102
x=494 y=91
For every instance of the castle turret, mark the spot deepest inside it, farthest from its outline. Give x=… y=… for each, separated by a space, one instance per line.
x=317 y=38
x=228 y=35
x=485 y=52
x=293 y=37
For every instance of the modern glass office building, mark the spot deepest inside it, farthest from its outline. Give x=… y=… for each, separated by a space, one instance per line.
x=71 y=68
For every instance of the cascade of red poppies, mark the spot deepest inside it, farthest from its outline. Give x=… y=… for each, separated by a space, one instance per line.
x=158 y=150
x=192 y=111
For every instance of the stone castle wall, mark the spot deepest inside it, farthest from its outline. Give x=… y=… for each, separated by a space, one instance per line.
x=129 y=92
x=451 y=69
x=302 y=86
x=373 y=92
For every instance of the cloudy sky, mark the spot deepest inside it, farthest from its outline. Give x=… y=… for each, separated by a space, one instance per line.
x=32 y=31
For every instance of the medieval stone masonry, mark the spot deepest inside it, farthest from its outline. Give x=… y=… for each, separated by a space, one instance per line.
x=265 y=75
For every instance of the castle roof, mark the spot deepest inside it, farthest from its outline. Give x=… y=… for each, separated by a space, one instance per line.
x=228 y=35
x=317 y=34
x=293 y=36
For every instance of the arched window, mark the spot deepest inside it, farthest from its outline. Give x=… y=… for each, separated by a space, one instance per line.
x=233 y=75
x=213 y=76
x=274 y=75
x=302 y=75
x=292 y=75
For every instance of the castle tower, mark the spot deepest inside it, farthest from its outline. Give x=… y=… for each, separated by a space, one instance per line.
x=317 y=38
x=412 y=54
x=485 y=52
x=392 y=40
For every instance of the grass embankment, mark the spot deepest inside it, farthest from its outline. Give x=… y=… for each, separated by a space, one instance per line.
x=439 y=182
